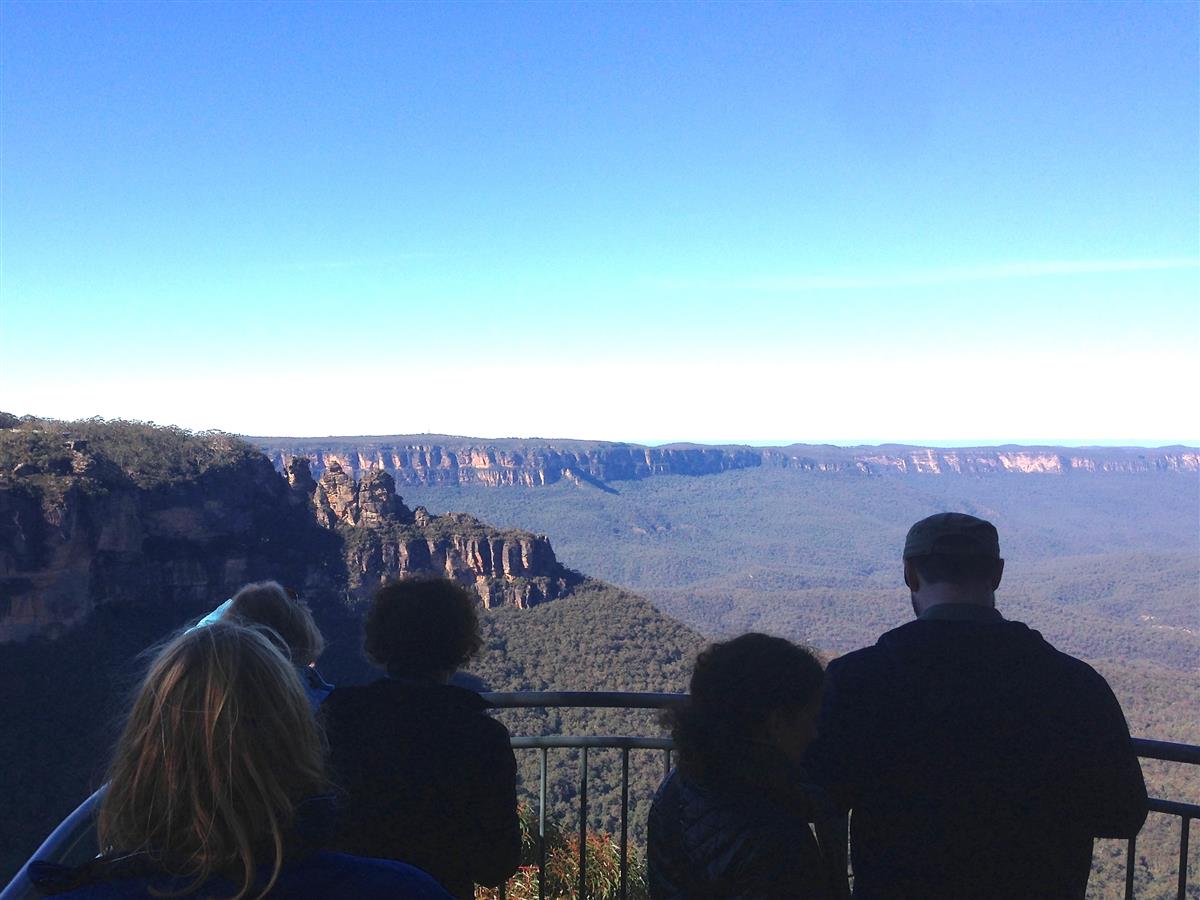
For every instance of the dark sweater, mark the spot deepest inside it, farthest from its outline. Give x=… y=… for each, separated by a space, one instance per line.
x=978 y=760
x=742 y=835
x=429 y=779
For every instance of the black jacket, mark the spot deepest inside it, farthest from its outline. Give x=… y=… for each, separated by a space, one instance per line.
x=979 y=762
x=429 y=779
x=745 y=835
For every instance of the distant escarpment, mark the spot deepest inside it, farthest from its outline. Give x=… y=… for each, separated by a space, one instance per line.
x=446 y=460
x=167 y=522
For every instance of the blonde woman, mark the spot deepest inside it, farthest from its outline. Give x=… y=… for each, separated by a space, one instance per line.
x=215 y=789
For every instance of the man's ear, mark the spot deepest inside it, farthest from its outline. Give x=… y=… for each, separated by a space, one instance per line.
x=998 y=574
x=911 y=580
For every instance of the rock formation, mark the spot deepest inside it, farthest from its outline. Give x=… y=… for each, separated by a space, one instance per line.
x=77 y=531
x=384 y=539
x=88 y=534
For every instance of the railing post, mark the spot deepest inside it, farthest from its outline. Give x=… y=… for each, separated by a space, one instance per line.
x=624 y=821
x=583 y=824
x=542 y=828
x=1130 y=857
x=1185 y=825
x=666 y=763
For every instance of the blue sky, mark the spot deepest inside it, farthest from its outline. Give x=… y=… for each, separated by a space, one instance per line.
x=845 y=222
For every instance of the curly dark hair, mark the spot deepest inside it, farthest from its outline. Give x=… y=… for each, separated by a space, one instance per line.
x=421 y=626
x=735 y=687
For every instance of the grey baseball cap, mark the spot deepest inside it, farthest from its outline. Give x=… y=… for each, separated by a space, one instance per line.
x=952 y=533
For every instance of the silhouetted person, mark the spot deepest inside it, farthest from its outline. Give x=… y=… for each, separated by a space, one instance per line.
x=732 y=820
x=429 y=777
x=978 y=761
x=218 y=788
x=270 y=604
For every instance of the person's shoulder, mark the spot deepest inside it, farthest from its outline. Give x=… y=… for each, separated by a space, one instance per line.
x=1068 y=666
x=457 y=695
x=329 y=874
x=352 y=693
x=869 y=658
x=347 y=699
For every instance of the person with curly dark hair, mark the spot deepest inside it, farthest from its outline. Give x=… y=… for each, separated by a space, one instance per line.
x=428 y=777
x=732 y=820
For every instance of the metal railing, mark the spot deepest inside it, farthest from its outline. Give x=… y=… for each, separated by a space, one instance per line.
x=1145 y=749
x=544 y=743
x=73 y=842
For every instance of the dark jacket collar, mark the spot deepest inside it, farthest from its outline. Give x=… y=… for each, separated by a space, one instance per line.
x=961 y=612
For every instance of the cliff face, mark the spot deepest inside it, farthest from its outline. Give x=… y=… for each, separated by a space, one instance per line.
x=78 y=532
x=71 y=541
x=418 y=460
x=384 y=539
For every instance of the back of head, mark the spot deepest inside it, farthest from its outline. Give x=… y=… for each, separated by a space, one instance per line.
x=736 y=685
x=267 y=603
x=219 y=748
x=421 y=626
x=953 y=548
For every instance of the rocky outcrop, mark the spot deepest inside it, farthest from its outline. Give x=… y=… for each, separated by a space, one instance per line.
x=89 y=535
x=384 y=539
x=443 y=461
x=78 y=532
x=369 y=503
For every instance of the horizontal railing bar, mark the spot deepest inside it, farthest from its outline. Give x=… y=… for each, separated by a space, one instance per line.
x=603 y=741
x=1166 y=750
x=1146 y=748
x=583 y=699
x=1175 y=808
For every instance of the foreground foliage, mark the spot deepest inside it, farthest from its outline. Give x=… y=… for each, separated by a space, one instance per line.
x=602 y=872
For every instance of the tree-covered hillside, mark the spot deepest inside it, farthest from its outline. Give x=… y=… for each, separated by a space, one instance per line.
x=601 y=638
x=1103 y=565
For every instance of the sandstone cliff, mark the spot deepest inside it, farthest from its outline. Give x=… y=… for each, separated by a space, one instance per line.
x=79 y=530
x=73 y=540
x=385 y=539
x=443 y=460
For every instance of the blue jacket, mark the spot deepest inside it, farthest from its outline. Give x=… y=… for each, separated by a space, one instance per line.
x=979 y=762
x=316 y=688
x=319 y=876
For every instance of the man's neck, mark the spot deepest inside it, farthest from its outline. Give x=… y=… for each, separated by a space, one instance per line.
x=947 y=592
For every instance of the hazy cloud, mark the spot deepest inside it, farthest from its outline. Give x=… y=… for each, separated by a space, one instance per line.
x=928 y=277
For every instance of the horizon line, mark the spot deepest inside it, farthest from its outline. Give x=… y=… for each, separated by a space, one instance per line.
x=937 y=444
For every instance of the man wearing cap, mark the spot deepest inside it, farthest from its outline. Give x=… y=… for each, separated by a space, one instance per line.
x=978 y=761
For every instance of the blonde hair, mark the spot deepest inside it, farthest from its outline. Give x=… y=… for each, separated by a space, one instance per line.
x=267 y=603
x=220 y=747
